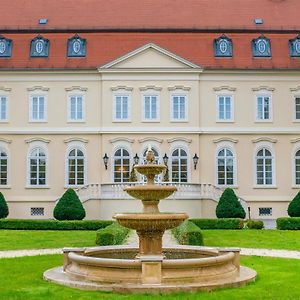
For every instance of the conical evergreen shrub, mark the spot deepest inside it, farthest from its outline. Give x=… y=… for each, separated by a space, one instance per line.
x=294 y=206
x=69 y=207
x=3 y=207
x=229 y=206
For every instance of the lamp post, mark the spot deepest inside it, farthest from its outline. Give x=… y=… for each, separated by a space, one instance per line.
x=105 y=160
x=165 y=159
x=195 y=160
x=136 y=159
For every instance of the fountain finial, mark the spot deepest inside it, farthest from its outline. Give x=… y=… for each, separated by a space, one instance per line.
x=150 y=155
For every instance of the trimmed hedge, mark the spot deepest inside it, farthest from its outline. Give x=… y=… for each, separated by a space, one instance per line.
x=3 y=207
x=19 y=224
x=229 y=206
x=69 y=207
x=188 y=234
x=113 y=234
x=226 y=223
x=294 y=206
x=255 y=224
x=292 y=223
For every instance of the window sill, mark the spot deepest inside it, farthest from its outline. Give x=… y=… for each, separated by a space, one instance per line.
x=225 y=121
x=74 y=186
x=227 y=186
x=179 y=121
x=121 y=121
x=38 y=187
x=265 y=187
x=76 y=121
x=296 y=186
x=5 y=187
x=4 y=121
x=37 y=121
x=150 y=121
x=296 y=121
x=263 y=121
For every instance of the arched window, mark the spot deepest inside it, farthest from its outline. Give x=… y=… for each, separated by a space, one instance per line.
x=76 y=167
x=121 y=165
x=225 y=166
x=37 y=167
x=297 y=167
x=3 y=167
x=179 y=166
x=264 y=167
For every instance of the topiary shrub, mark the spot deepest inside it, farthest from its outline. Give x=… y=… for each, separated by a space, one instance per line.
x=229 y=206
x=294 y=206
x=288 y=223
x=69 y=207
x=255 y=224
x=3 y=207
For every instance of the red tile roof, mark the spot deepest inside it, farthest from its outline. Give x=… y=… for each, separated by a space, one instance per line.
x=150 y=14
x=195 y=47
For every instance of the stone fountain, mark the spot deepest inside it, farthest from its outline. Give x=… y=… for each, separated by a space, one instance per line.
x=150 y=267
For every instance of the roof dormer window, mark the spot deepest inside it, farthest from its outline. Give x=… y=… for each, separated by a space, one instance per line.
x=261 y=47
x=76 y=47
x=223 y=47
x=294 y=46
x=39 y=47
x=5 y=47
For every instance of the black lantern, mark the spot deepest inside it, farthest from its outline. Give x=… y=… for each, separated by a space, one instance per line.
x=105 y=160
x=136 y=159
x=195 y=160
x=165 y=159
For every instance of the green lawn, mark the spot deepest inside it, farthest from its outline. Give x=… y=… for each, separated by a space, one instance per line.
x=42 y=239
x=270 y=239
x=21 y=279
x=35 y=239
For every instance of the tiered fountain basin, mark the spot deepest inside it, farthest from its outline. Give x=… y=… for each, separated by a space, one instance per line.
x=150 y=268
x=183 y=268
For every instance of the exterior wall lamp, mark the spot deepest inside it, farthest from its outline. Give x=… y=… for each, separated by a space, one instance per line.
x=105 y=160
x=136 y=159
x=195 y=160
x=165 y=159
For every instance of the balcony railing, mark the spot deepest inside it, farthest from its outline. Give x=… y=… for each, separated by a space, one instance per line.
x=114 y=191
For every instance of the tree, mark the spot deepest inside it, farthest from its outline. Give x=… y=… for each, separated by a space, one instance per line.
x=69 y=207
x=294 y=206
x=229 y=206
x=3 y=207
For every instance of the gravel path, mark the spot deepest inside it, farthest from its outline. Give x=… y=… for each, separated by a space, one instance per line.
x=168 y=240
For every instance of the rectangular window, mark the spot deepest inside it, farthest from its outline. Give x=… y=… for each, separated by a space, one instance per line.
x=76 y=108
x=3 y=108
x=225 y=112
x=265 y=211
x=297 y=169
x=179 y=108
x=150 y=108
x=297 y=108
x=121 y=111
x=263 y=108
x=38 y=108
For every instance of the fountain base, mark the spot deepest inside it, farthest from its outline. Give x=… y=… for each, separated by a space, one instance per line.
x=182 y=268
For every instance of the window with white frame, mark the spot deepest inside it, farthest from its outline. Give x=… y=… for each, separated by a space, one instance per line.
x=179 y=166
x=37 y=167
x=225 y=167
x=76 y=108
x=297 y=108
x=150 y=107
x=3 y=108
x=3 y=167
x=37 y=108
x=297 y=167
x=179 y=107
x=225 y=108
x=76 y=167
x=264 y=167
x=121 y=108
x=121 y=170
x=263 y=108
